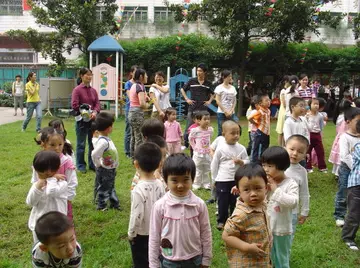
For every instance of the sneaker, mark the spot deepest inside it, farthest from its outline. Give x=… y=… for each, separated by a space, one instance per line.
x=22 y=130
x=220 y=226
x=207 y=186
x=339 y=223
x=216 y=212
x=310 y=171
x=352 y=245
x=323 y=171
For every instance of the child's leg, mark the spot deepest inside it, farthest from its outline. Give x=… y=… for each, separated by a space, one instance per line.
x=340 y=199
x=206 y=162
x=249 y=147
x=198 y=176
x=170 y=147
x=177 y=147
x=104 y=187
x=294 y=224
x=352 y=221
x=139 y=251
x=311 y=146
x=114 y=200
x=280 y=252
x=256 y=147
x=223 y=194
x=319 y=149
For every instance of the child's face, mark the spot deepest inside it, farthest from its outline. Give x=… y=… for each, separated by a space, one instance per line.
x=352 y=124
x=296 y=150
x=272 y=172
x=179 y=185
x=232 y=134
x=299 y=108
x=314 y=105
x=55 y=143
x=62 y=246
x=252 y=191
x=265 y=102
x=46 y=174
x=205 y=121
x=172 y=117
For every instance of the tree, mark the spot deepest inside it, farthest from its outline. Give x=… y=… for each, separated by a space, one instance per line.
x=76 y=23
x=237 y=23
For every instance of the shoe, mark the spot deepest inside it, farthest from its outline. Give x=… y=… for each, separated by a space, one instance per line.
x=207 y=187
x=323 y=171
x=336 y=178
x=102 y=209
x=210 y=201
x=116 y=208
x=22 y=130
x=310 y=171
x=352 y=245
x=220 y=226
x=216 y=212
x=339 y=223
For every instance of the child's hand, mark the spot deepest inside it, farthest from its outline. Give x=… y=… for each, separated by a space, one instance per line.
x=131 y=240
x=41 y=183
x=256 y=250
x=302 y=219
x=235 y=191
x=238 y=161
x=272 y=184
x=60 y=177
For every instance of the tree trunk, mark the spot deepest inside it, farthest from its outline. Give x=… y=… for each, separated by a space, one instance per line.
x=244 y=48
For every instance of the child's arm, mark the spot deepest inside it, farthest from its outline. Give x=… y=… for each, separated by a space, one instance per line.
x=136 y=215
x=192 y=137
x=243 y=158
x=287 y=130
x=155 y=236
x=72 y=183
x=55 y=188
x=34 y=177
x=98 y=151
x=345 y=151
x=290 y=198
x=304 y=199
x=215 y=162
x=35 y=193
x=205 y=236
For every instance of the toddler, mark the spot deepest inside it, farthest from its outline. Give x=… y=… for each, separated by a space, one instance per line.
x=173 y=134
x=180 y=232
x=251 y=127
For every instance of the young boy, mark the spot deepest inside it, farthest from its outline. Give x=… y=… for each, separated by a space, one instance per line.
x=200 y=142
x=297 y=146
x=148 y=190
x=58 y=246
x=246 y=233
x=228 y=157
x=106 y=160
x=296 y=124
x=261 y=119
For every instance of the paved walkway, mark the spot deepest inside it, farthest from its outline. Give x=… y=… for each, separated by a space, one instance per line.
x=7 y=115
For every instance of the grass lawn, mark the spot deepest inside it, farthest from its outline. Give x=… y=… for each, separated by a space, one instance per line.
x=103 y=235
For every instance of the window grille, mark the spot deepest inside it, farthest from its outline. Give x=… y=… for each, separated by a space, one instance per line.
x=11 y=7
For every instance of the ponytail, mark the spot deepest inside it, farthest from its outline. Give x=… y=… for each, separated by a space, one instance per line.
x=294 y=80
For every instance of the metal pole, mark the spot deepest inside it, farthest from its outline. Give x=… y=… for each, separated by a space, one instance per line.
x=117 y=86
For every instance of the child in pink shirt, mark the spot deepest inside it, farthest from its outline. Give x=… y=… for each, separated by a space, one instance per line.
x=173 y=134
x=194 y=125
x=180 y=232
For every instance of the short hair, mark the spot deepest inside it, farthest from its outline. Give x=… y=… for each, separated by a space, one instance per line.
x=254 y=101
x=294 y=101
x=357 y=102
x=202 y=66
x=322 y=102
x=52 y=224
x=250 y=171
x=229 y=123
x=312 y=100
x=158 y=140
x=179 y=164
x=260 y=97
x=18 y=76
x=46 y=132
x=300 y=138
x=152 y=126
x=160 y=73
x=200 y=114
x=104 y=120
x=276 y=155
x=148 y=155
x=46 y=160
x=351 y=113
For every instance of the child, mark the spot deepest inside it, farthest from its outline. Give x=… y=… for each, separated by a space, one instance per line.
x=246 y=233
x=51 y=139
x=58 y=124
x=152 y=126
x=261 y=119
x=283 y=198
x=297 y=146
x=200 y=142
x=346 y=144
x=58 y=246
x=147 y=158
x=47 y=193
x=296 y=123
x=322 y=103
x=315 y=123
x=352 y=220
x=106 y=160
x=227 y=159
x=173 y=134
x=180 y=232
x=196 y=121
x=251 y=127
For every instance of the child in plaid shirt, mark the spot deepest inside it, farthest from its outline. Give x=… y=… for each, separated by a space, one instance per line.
x=246 y=233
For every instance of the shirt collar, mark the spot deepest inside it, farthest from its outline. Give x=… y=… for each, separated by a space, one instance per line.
x=248 y=209
x=173 y=202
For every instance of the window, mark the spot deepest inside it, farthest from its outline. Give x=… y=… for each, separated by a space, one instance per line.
x=11 y=7
x=141 y=14
x=163 y=14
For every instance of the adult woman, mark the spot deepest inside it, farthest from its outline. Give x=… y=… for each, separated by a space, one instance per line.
x=226 y=100
x=281 y=115
x=305 y=92
x=159 y=95
x=33 y=101
x=138 y=98
x=85 y=103
x=18 y=93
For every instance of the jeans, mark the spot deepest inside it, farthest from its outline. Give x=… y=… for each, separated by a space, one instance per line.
x=105 y=188
x=83 y=131
x=352 y=221
x=127 y=138
x=226 y=200
x=140 y=251
x=260 y=144
x=136 y=120
x=191 y=263
x=31 y=106
x=221 y=118
x=280 y=252
x=340 y=199
x=294 y=224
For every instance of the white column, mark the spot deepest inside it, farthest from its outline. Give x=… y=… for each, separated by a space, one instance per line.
x=117 y=85
x=151 y=14
x=90 y=60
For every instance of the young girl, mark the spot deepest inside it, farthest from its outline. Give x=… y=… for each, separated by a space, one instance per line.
x=347 y=143
x=283 y=198
x=200 y=142
x=173 y=134
x=341 y=127
x=48 y=193
x=180 y=232
x=291 y=92
x=315 y=123
x=281 y=115
x=51 y=139
x=58 y=124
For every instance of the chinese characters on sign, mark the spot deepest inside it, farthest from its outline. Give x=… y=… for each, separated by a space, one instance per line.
x=16 y=57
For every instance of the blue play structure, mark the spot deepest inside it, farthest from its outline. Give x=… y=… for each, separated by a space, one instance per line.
x=176 y=83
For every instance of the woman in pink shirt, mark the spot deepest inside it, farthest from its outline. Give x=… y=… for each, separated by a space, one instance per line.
x=180 y=232
x=173 y=134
